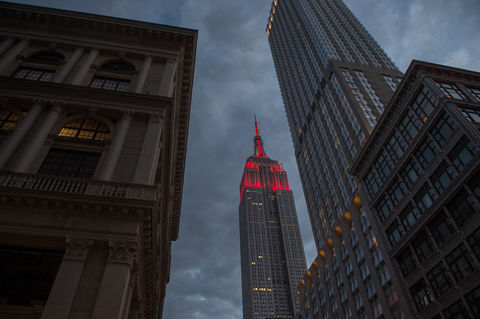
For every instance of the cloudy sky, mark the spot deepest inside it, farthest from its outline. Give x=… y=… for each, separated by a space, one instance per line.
x=235 y=78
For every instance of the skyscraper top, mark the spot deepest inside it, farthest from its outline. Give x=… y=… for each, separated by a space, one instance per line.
x=258 y=143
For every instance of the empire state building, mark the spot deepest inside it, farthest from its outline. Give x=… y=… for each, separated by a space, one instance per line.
x=272 y=256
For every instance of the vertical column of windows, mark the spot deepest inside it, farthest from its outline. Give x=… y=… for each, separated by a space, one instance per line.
x=371 y=92
x=358 y=96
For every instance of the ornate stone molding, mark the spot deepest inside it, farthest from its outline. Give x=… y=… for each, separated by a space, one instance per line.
x=122 y=251
x=77 y=248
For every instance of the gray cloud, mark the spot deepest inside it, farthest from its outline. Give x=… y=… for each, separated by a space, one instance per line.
x=235 y=78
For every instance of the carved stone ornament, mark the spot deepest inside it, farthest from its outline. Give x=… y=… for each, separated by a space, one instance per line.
x=77 y=248
x=122 y=251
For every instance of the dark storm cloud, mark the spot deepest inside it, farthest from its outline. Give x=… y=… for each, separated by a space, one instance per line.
x=235 y=78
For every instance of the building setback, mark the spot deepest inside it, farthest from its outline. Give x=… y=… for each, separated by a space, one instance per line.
x=94 y=115
x=335 y=81
x=272 y=256
x=420 y=177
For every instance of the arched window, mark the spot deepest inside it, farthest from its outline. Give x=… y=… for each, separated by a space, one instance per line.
x=113 y=75
x=47 y=57
x=86 y=129
x=8 y=120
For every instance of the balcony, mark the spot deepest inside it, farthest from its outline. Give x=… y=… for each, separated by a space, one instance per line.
x=77 y=186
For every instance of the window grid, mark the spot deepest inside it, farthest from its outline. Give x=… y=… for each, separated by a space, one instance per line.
x=33 y=74
x=110 y=84
x=69 y=163
x=86 y=129
x=451 y=90
x=8 y=120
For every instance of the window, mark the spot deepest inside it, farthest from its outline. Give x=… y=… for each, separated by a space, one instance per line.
x=121 y=66
x=474 y=241
x=396 y=146
x=396 y=191
x=410 y=125
x=423 y=246
x=441 y=228
x=69 y=163
x=371 y=182
x=33 y=74
x=462 y=153
x=423 y=104
x=384 y=208
x=27 y=274
x=462 y=207
x=451 y=90
x=474 y=185
x=110 y=83
x=395 y=232
x=426 y=152
x=460 y=262
x=421 y=294
x=442 y=177
x=86 y=129
x=409 y=216
x=473 y=301
x=456 y=311
x=8 y=120
x=410 y=172
x=424 y=197
x=406 y=261
x=443 y=129
x=472 y=115
x=47 y=57
x=439 y=280
x=383 y=164
x=476 y=93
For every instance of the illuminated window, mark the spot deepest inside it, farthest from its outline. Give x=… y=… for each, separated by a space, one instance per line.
x=110 y=84
x=8 y=120
x=33 y=74
x=86 y=129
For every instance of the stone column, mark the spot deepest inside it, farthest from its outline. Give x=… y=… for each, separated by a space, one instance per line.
x=21 y=129
x=5 y=44
x=143 y=74
x=78 y=78
x=166 y=84
x=113 y=290
x=147 y=162
x=61 y=74
x=11 y=55
x=68 y=278
x=38 y=138
x=111 y=158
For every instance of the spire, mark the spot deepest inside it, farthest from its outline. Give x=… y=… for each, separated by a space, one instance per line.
x=258 y=143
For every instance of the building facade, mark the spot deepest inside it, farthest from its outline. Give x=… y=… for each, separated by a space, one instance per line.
x=426 y=197
x=272 y=256
x=94 y=115
x=335 y=81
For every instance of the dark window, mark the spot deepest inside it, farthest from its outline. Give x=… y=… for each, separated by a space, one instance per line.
x=424 y=197
x=371 y=182
x=409 y=216
x=462 y=207
x=443 y=129
x=406 y=261
x=423 y=246
x=396 y=191
x=472 y=115
x=383 y=164
x=476 y=93
x=396 y=146
x=442 y=177
x=69 y=163
x=86 y=129
x=118 y=66
x=456 y=311
x=421 y=294
x=33 y=74
x=461 y=262
x=439 y=280
x=423 y=104
x=473 y=301
x=426 y=152
x=47 y=56
x=384 y=208
x=410 y=172
x=451 y=90
x=27 y=275
x=474 y=241
x=8 y=120
x=441 y=228
x=110 y=84
x=410 y=125
x=474 y=185
x=462 y=153
x=395 y=232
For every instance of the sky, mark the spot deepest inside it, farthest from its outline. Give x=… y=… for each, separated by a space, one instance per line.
x=235 y=78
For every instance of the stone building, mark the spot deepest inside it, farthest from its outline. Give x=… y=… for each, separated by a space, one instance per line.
x=420 y=181
x=94 y=115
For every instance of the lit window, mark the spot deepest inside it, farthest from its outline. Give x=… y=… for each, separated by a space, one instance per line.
x=110 y=84
x=33 y=74
x=451 y=90
x=421 y=294
x=8 y=120
x=86 y=129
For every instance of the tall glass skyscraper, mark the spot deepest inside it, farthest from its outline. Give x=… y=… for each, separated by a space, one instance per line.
x=335 y=81
x=272 y=256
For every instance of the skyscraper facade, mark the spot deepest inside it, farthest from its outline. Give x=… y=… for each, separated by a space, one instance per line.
x=94 y=115
x=335 y=81
x=272 y=256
